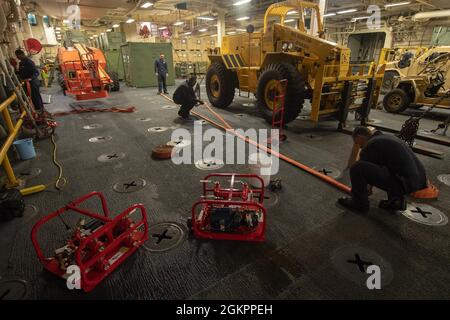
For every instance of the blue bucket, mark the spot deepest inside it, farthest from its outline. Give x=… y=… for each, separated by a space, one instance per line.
x=25 y=148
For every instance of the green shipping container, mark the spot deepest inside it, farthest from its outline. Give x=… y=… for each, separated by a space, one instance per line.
x=115 y=40
x=139 y=63
x=114 y=62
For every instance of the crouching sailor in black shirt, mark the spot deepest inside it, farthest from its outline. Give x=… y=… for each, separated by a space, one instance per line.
x=385 y=162
x=28 y=71
x=185 y=96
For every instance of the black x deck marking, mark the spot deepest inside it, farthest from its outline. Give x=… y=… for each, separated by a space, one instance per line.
x=422 y=212
x=130 y=184
x=161 y=236
x=361 y=263
x=325 y=171
x=110 y=156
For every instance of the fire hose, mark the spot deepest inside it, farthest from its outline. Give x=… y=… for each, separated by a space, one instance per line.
x=87 y=110
x=59 y=181
x=226 y=127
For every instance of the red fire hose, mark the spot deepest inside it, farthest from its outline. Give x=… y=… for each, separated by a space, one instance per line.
x=86 y=110
x=297 y=164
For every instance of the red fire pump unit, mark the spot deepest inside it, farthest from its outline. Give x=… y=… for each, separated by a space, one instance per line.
x=230 y=213
x=98 y=245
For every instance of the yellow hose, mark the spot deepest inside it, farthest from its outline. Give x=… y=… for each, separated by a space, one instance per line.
x=59 y=182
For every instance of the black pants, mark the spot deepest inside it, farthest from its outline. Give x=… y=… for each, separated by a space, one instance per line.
x=35 y=94
x=185 y=109
x=162 y=83
x=364 y=173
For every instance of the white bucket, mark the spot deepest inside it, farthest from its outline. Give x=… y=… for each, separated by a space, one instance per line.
x=260 y=164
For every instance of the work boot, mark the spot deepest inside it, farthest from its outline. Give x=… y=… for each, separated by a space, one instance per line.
x=159 y=92
x=350 y=204
x=396 y=204
x=166 y=92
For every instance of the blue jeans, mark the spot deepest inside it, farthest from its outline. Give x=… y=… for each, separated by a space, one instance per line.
x=162 y=83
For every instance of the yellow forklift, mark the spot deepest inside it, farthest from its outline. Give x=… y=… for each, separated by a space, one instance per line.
x=315 y=69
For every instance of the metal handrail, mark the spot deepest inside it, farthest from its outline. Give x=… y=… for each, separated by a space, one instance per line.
x=13 y=131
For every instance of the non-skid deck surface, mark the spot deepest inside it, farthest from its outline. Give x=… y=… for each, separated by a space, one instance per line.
x=306 y=231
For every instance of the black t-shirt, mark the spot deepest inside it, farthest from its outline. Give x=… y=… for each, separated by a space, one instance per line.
x=393 y=153
x=27 y=69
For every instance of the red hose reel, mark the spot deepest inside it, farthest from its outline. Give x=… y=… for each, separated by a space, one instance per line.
x=233 y=213
x=97 y=247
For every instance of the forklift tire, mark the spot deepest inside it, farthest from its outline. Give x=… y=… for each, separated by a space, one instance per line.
x=115 y=86
x=295 y=91
x=396 y=101
x=220 y=85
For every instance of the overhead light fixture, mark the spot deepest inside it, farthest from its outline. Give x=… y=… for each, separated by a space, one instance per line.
x=187 y=33
x=346 y=11
x=58 y=28
x=95 y=36
x=291 y=12
x=205 y=18
x=213 y=35
x=66 y=21
x=146 y=5
x=203 y=30
x=242 y=18
x=162 y=28
x=289 y=20
x=329 y=14
x=178 y=23
x=116 y=25
x=130 y=20
x=359 y=18
x=241 y=2
x=92 y=38
x=232 y=32
x=397 y=4
x=241 y=30
x=108 y=30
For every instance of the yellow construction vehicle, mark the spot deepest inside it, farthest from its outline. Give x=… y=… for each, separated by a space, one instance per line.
x=425 y=83
x=315 y=68
x=405 y=62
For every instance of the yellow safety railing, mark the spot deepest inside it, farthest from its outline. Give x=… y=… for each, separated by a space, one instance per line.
x=13 y=129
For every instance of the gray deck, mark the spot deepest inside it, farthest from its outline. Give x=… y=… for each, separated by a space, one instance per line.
x=305 y=228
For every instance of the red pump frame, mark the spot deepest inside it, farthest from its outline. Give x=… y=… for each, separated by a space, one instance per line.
x=228 y=194
x=132 y=239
